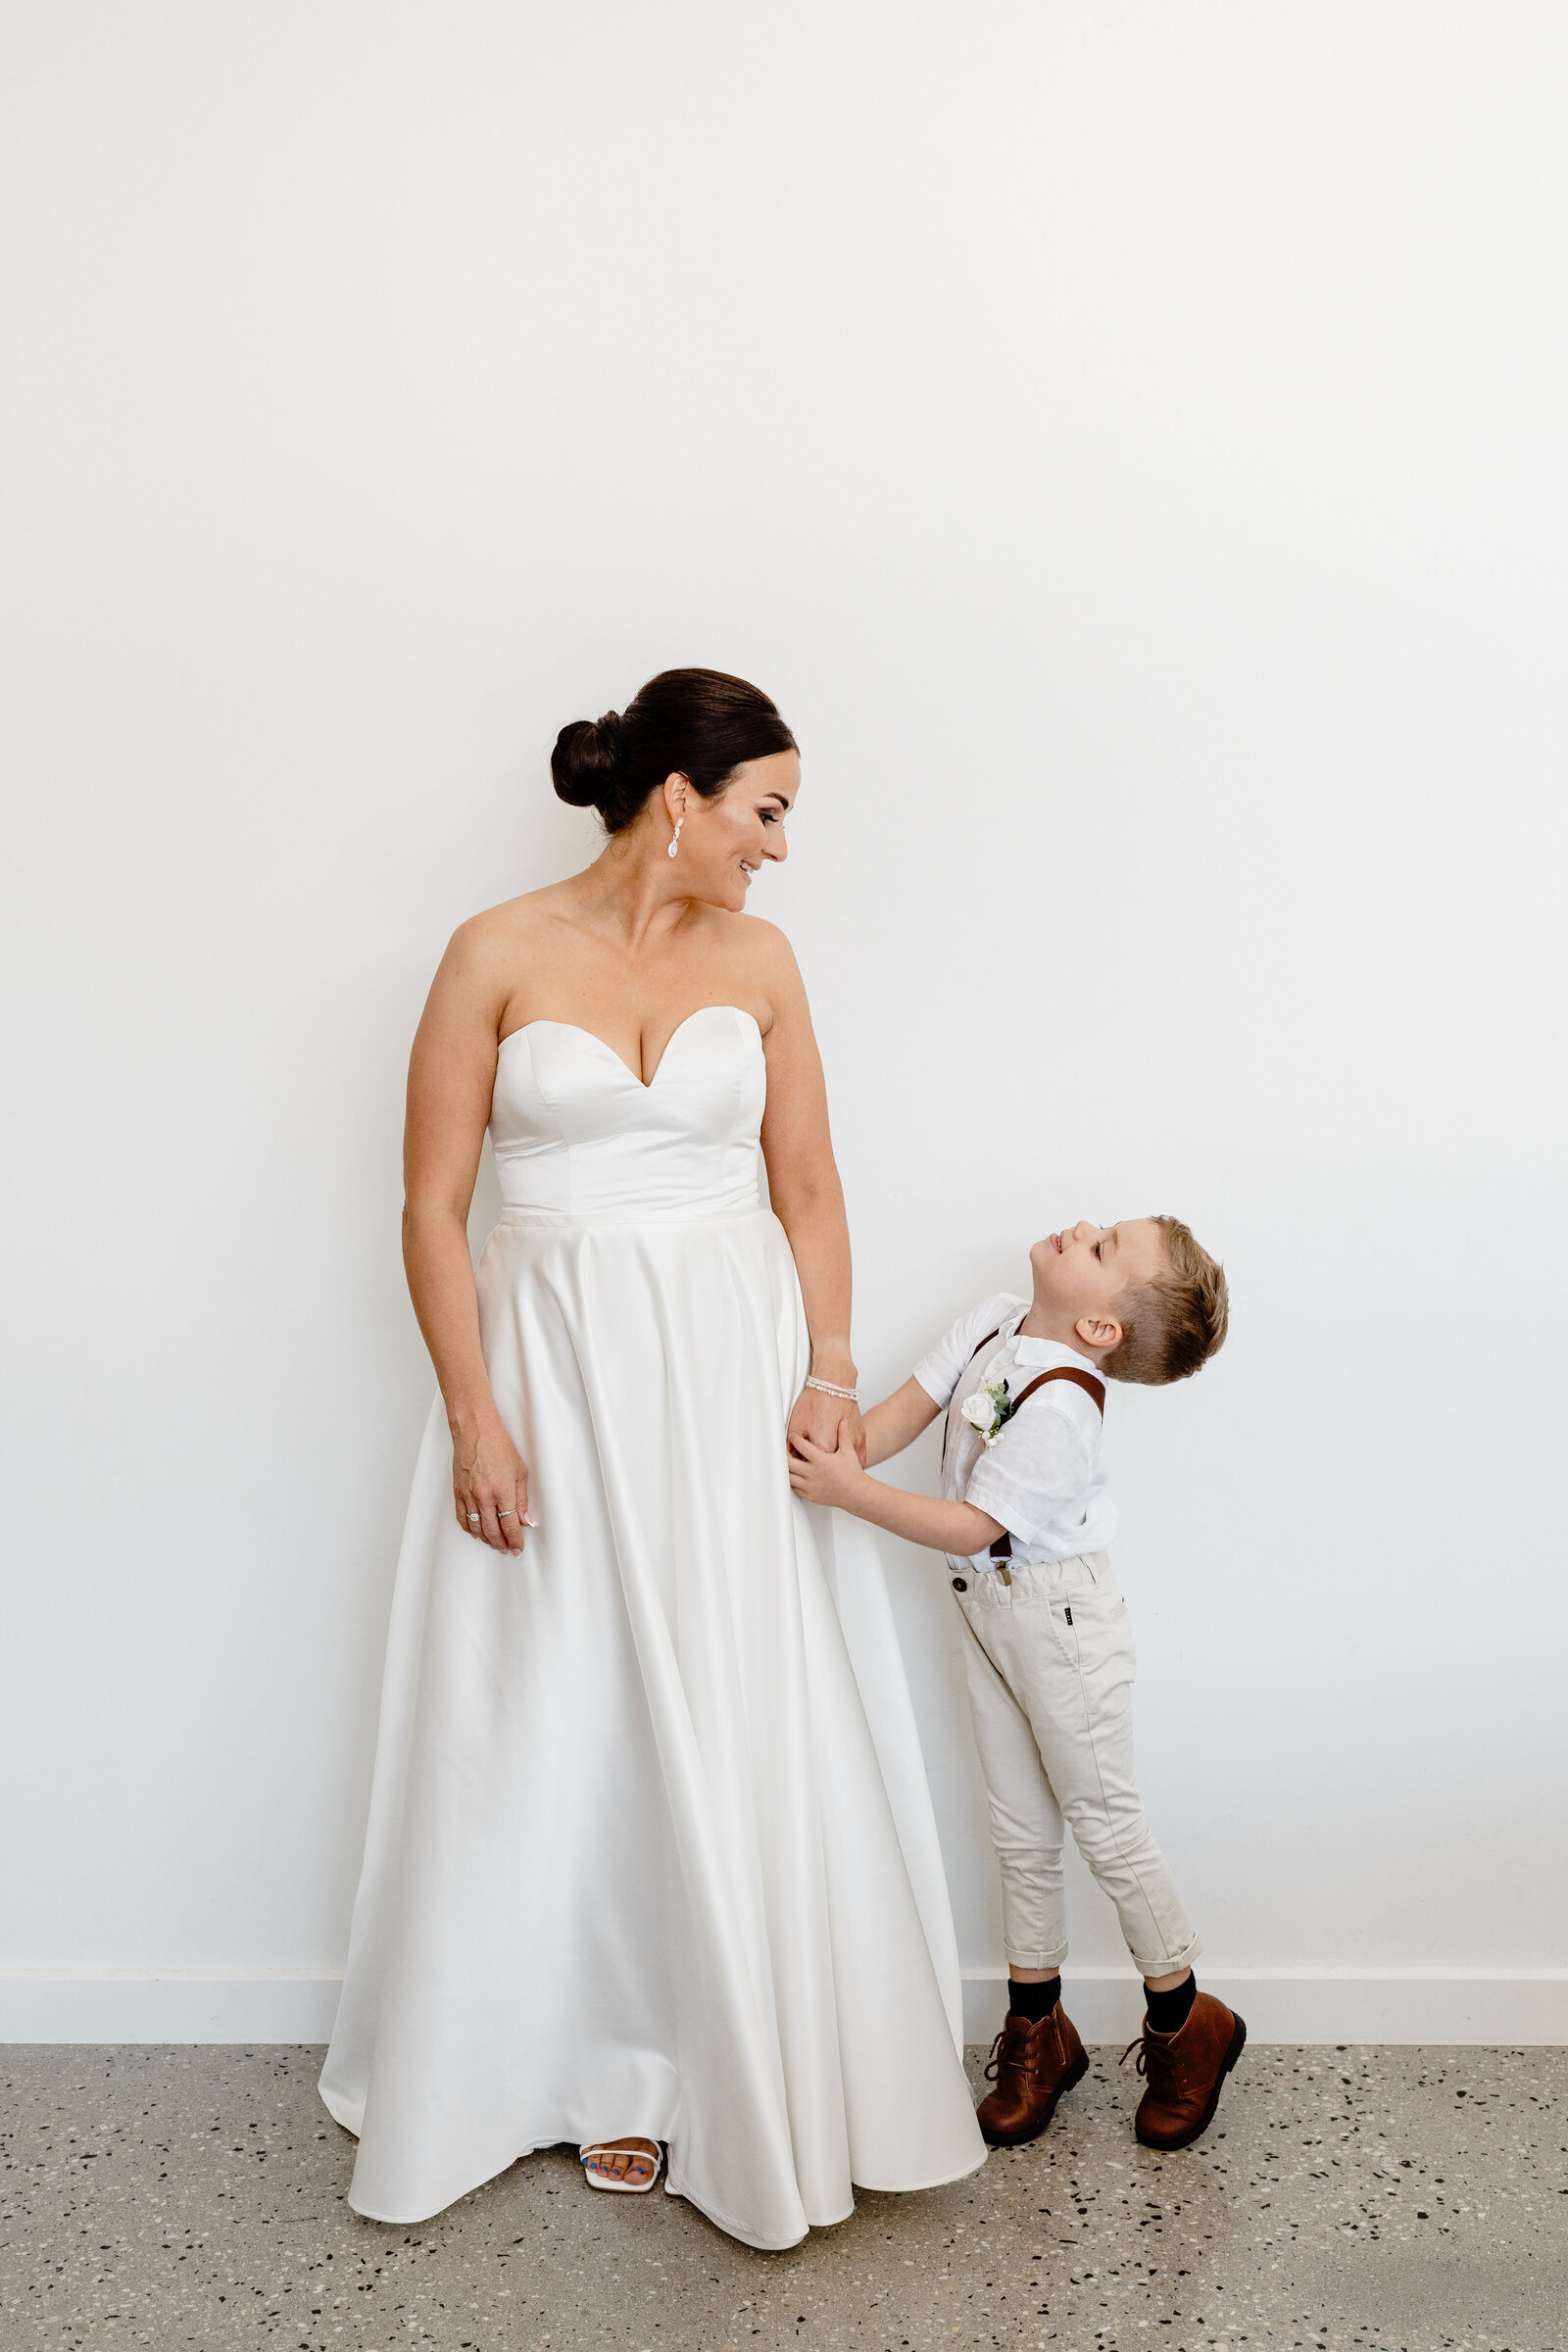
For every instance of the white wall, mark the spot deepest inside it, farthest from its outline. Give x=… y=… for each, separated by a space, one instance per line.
x=1129 y=442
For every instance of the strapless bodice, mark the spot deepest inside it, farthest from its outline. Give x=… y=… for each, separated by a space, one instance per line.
x=576 y=1135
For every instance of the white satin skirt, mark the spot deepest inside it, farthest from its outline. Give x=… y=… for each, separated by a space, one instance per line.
x=651 y=1848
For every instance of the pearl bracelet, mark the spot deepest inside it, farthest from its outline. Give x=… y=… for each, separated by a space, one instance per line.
x=830 y=1388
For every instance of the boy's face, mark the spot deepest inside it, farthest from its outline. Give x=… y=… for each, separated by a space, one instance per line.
x=1082 y=1273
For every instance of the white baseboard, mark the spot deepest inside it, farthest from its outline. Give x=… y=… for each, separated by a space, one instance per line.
x=279 y=2005
x=1517 y=2008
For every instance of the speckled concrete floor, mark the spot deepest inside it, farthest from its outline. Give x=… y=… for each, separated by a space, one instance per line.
x=1399 y=2200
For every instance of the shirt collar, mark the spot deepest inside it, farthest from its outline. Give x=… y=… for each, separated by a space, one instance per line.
x=1045 y=1356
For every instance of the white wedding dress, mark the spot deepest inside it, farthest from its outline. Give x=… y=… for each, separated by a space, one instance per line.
x=650 y=1848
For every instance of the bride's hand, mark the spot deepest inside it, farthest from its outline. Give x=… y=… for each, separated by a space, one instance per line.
x=490 y=1487
x=818 y=1416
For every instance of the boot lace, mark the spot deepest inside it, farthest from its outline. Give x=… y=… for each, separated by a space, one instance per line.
x=998 y=2054
x=1001 y=2055
x=1168 y=2076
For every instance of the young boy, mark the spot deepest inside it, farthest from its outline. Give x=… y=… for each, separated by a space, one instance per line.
x=1024 y=1520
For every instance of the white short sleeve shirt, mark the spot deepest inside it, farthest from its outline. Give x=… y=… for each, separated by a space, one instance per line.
x=1042 y=1477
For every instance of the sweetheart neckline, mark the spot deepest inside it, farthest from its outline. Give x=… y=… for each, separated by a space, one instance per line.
x=646 y=1084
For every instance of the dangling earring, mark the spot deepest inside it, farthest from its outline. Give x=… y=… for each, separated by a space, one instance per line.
x=675 y=844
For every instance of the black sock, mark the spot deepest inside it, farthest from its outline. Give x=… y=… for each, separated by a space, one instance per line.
x=1169 y=2011
x=1033 y=2001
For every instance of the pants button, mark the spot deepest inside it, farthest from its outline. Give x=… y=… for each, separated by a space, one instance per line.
x=960 y=1584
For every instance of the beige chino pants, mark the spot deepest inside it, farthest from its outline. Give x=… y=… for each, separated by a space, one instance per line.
x=1049 y=1663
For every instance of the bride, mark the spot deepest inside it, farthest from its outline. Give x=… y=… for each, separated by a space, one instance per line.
x=651 y=1861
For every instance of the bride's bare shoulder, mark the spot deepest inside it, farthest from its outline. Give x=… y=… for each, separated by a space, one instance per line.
x=478 y=973
x=758 y=946
x=761 y=962
x=513 y=925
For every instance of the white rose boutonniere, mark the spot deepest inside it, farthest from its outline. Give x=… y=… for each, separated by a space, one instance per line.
x=988 y=1408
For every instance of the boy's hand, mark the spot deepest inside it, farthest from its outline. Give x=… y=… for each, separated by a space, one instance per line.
x=821 y=1475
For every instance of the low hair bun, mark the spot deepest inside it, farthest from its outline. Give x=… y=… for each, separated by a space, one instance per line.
x=586 y=760
x=702 y=724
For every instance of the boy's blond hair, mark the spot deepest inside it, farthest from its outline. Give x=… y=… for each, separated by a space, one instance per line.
x=1173 y=1324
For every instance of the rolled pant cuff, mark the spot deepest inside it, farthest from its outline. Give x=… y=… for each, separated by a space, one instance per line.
x=1050 y=1959
x=1152 y=1965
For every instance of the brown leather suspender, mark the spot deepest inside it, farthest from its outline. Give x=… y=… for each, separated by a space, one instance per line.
x=1086 y=1381
x=1001 y=1548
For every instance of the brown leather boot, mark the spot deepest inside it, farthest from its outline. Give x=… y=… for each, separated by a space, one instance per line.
x=1186 y=2072
x=1031 y=2066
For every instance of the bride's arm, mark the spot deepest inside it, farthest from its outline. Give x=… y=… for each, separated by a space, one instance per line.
x=807 y=1198
x=451 y=1073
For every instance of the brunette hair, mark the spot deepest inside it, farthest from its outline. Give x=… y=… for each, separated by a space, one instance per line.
x=1171 y=1325
x=698 y=724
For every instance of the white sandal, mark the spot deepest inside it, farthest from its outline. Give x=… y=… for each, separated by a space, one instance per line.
x=627 y=2189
